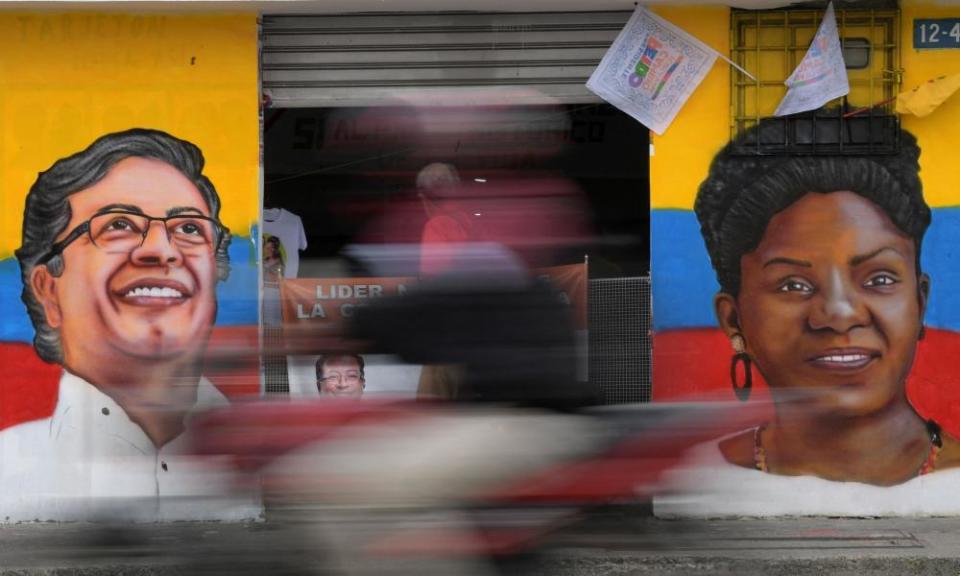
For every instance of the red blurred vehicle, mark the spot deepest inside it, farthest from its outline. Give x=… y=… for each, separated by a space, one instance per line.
x=381 y=486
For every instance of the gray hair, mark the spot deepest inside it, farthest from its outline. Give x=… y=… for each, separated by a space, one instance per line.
x=437 y=175
x=47 y=208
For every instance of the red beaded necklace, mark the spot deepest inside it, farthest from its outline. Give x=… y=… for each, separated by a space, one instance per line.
x=928 y=466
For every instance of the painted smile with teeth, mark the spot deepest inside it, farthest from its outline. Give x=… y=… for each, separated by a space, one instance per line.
x=844 y=359
x=154 y=292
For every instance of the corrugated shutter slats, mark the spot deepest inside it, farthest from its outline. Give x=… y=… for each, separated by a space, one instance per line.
x=371 y=59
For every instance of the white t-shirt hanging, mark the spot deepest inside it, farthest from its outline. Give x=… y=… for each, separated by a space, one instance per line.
x=283 y=239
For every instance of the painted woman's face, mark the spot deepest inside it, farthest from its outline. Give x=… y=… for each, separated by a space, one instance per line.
x=830 y=300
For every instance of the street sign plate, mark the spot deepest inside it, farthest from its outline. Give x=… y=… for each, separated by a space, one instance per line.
x=936 y=33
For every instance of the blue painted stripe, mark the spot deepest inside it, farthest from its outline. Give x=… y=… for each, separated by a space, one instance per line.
x=14 y=323
x=941 y=260
x=237 y=297
x=684 y=283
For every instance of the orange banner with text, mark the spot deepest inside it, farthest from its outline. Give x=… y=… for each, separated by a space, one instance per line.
x=330 y=300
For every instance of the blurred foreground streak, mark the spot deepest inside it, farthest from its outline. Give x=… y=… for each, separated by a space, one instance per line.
x=505 y=444
x=455 y=486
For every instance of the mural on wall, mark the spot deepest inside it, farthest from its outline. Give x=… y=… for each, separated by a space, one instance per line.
x=131 y=266
x=122 y=249
x=822 y=299
x=836 y=464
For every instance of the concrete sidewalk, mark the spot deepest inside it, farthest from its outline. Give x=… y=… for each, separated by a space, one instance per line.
x=612 y=543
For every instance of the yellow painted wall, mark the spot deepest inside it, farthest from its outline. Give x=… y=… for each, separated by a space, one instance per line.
x=682 y=155
x=66 y=79
x=939 y=158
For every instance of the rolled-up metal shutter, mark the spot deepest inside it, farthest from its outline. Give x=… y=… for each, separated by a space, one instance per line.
x=374 y=59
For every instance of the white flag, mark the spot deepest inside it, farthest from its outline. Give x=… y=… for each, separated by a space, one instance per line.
x=821 y=75
x=651 y=69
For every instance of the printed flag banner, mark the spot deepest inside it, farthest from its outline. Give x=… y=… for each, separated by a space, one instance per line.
x=926 y=97
x=821 y=75
x=651 y=69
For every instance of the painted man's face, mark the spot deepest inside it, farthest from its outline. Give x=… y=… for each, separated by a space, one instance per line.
x=341 y=376
x=831 y=301
x=152 y=301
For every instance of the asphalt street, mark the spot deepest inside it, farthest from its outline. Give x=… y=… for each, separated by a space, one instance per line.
x=614 y=543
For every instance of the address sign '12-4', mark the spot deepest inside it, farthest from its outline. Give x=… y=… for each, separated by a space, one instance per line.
x=936 y=33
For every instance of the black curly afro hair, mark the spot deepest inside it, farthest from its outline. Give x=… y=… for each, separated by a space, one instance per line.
x=743 y=192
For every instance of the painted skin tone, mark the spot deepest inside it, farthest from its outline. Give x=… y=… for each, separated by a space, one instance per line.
x=141 y=347
x=341 y=377
x=831 y=303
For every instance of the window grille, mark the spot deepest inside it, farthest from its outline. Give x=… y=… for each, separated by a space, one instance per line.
x=771 y=43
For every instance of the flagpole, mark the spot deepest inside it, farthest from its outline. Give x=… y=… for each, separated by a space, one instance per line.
x=859 y=111
x=734 y=64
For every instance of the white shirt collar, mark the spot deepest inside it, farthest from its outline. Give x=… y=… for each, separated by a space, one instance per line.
x=82 y=405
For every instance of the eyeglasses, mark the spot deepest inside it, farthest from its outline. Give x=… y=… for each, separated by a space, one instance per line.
x=123 y=231
x=349 y=378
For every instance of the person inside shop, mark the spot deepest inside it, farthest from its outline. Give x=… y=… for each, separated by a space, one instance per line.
x=478 y=304
x=821 y=290
x=479 y=308
x=121 y=254
x=341 y=375
x=448 y=223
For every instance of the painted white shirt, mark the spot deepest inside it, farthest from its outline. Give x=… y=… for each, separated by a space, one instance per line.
x=705 y=485
x=90 y=461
